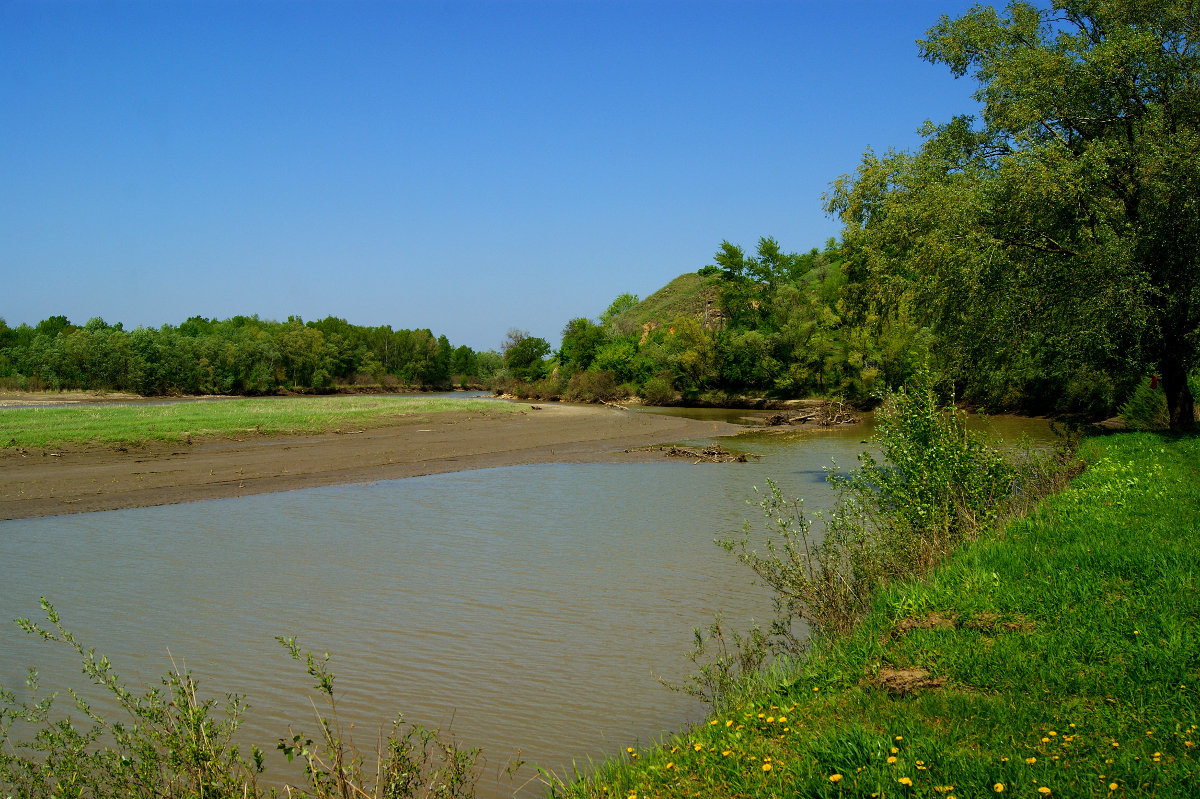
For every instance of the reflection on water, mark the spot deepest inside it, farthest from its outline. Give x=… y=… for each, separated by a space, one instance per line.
x=531 y=607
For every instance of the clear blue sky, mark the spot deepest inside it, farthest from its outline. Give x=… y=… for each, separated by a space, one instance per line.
x=462 y=166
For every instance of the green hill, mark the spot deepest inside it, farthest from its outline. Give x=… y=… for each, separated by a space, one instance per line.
x=689 y=294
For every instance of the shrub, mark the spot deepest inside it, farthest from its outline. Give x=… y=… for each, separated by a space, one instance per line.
x=593 y=385
x=659 y=391
x=1146 y=409
x=938 y=485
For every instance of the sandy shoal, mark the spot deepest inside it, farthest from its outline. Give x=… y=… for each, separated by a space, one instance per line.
x=48 y=482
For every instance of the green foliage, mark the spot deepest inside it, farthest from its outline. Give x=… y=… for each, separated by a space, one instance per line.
x=1146 y=409
x=242 y=355
x=1060 y=231
x=938 y=486
x=523 y=357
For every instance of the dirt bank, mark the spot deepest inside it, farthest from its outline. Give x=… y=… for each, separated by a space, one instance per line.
x=37 y=482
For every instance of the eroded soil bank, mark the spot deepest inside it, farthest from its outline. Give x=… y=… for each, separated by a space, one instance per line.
x=36 y=482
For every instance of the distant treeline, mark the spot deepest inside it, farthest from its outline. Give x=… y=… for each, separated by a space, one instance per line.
x=241 y=355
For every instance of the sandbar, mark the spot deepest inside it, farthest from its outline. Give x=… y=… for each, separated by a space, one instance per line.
x=47 y=482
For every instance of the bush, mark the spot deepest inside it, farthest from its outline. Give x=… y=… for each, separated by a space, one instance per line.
x=938 y=485
x=593 y=385
x=659 y=391
x=1146 y=409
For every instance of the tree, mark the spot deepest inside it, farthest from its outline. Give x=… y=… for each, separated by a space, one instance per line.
x=523 y=354
x=580 y=341
x=1067 y=220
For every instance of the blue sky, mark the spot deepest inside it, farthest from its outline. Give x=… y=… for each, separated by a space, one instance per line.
x=462 y=166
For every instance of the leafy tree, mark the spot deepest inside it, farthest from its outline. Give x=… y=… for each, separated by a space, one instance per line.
x=580 y=341
x=1067 y=220
x=524 y=357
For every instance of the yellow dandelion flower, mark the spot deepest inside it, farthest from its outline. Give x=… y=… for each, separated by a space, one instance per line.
x=1045 y=740
x=770 y=719
x=1158 y=754
x=712 y=723
x=1044 y=791
x=782 y=719
x=920 y=762
x=1031 y=760
x=767 y=766
x=835 y=777
x=1003 y=758
x=726 y=753
x=762 y=715
x=670 y=766
x=895 y=751
x=729 y=722
x=1112 y=786
x=1052 y=733
x=629 y=749
x=892 y=759
x=998 y=787
x=899 y=737
x=697 y=747
x=904 y=781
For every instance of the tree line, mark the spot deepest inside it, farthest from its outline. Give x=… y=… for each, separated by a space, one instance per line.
x=240 y=355
x=1045 y=255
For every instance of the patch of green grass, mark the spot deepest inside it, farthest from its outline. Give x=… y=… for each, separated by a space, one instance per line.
x=1060 y=657
x=141 y=424
x=686 y=295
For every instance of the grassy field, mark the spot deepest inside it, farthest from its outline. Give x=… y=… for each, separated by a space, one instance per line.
x=140 y=424
x=1060 y=657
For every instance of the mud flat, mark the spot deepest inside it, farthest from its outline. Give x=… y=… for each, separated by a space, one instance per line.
x=51 y=481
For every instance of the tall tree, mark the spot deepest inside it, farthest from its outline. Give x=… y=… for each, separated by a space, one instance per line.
x=1070 y=214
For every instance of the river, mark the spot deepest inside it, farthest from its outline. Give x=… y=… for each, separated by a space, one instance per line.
x=530 y=609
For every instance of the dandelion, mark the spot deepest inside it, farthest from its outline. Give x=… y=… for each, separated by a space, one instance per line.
x=998 y=787
x=1044 y=791
x=835 y=777
x=899 y=737
x=1031 y=760
x=770 y=719
x=905 y=781
x=1045 y=740
x=713 y=723
x=1112 y=786
x=726 y=753
x=1052 y=733
x=728 y=722
x=892 y=759
x=670 y=766
x=767 y=766
x=895 y=751
x=782 y=719
x=697 y=747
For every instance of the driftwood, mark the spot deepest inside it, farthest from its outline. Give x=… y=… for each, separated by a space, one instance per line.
x=710 y=454
x=825 y=415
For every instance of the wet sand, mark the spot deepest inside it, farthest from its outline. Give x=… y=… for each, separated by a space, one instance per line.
x=36 y=482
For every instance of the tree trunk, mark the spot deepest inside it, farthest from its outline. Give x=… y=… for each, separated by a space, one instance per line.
x=1181 y=405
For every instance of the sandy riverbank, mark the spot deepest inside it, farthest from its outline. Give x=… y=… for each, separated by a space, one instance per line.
x=36 y=482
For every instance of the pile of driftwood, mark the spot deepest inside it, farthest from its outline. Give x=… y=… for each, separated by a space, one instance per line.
x=711 y=454
x=825 y=415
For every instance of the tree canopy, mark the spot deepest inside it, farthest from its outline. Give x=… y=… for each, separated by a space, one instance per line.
x=1061 y=229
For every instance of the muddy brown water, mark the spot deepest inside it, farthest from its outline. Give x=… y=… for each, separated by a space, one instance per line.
x=530 y=609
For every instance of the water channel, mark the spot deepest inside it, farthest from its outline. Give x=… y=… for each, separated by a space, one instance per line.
x=531 y=609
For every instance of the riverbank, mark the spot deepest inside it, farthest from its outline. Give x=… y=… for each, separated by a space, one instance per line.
x=1057 y=658
x=76 y=478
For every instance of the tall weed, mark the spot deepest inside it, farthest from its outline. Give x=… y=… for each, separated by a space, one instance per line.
x=172 y=744
x=937 y=485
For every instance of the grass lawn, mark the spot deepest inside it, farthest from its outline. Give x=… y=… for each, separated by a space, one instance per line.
x=1060 y=657
x=140 y=424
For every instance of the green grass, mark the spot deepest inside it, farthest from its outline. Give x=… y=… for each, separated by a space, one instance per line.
x=685 y=295
x=141 y=424
x=1069 y=663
